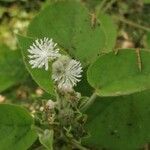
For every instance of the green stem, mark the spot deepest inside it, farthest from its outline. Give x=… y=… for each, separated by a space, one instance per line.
x=89 y=102
x=135 y=25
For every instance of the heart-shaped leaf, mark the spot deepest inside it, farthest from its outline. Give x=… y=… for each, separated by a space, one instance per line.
x=42 y=77
x=122 y=74
x=119 y=123
x=69 y=24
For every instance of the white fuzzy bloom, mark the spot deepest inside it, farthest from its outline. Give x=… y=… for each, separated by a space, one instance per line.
x=42 y=51
x=66 y=73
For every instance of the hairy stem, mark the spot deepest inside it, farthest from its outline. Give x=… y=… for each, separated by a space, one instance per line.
x=89 y=102
x=135 y=25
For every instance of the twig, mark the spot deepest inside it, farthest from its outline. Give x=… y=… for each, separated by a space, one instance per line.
x=77 y=145
x=139 y=59
x=146 y=147
x=108 y=5
x=99 y=7
x=135 y=25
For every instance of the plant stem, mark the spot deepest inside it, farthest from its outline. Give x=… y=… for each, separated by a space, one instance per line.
x=89 y=102
x=146 y=147
x=108 y=5
x=99 y=8
x=135 y=25
x=58 y=99
x=40 y=148
x=77 y=145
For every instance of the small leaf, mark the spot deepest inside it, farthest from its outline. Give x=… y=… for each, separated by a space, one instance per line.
x=42 y=77
x=110 y=30
x=12 y=68
x=46 y=139
x=15 y=128
x=113 y=75
x=119 y=123
x=72 y=31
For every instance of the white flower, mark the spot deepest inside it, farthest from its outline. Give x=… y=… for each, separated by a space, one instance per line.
x=42 y=51
x=66 y=73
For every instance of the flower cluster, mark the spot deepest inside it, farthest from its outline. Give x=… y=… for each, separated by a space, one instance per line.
x=66 y=72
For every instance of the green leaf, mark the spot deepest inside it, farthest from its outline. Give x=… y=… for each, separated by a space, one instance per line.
x=120 y=123
x=12 y=68
x=69 y=24
x=113 y=75
x=15 y=128
x=42 y=77
x=110 y=30
x=46 y=139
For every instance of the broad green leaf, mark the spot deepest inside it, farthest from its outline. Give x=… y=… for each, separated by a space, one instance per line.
x=46 y=139
x=110 y=30
x=42 y=77
x=119 y=123
x=12 y=68
x=69 y=24
x=113 y=75
x=15 y=128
